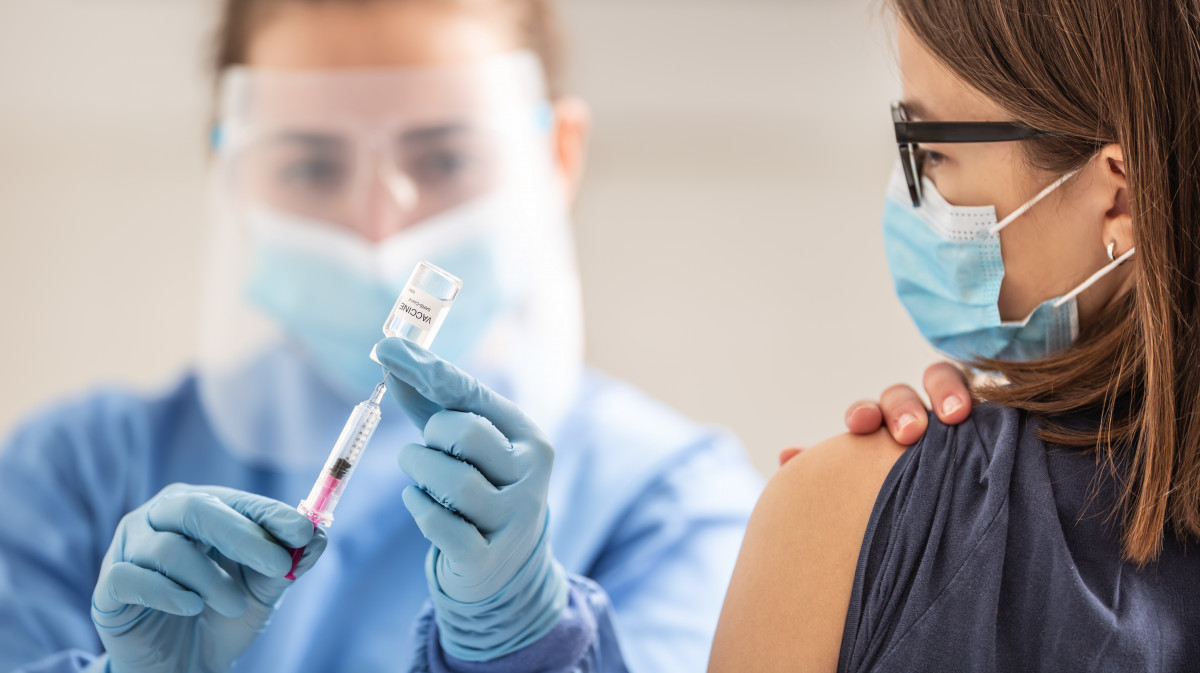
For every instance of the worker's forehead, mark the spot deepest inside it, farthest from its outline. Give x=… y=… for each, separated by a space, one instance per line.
x=421 y=95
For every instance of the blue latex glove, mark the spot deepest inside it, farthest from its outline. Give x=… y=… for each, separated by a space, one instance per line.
x=193 y=575
x=480 y=498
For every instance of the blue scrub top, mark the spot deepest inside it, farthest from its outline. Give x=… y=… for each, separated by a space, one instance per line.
x=649 y=505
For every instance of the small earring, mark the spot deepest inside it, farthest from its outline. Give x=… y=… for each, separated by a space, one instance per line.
x=1111 y=256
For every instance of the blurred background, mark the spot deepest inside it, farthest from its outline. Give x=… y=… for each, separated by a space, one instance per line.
x=728 y=226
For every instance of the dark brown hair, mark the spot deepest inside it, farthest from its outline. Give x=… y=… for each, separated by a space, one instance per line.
x=1100 y=72
x=535 y=22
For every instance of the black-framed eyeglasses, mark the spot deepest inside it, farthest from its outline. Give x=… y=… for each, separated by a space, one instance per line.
x=909 y=134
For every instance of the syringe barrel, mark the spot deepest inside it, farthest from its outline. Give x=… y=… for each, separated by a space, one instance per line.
x=326 y=492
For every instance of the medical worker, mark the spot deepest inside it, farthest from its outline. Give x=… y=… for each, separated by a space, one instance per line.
x=151 y=532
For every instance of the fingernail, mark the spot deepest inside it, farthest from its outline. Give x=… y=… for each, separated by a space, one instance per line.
x=905 y=421
x=850 y=413
x=951 y=404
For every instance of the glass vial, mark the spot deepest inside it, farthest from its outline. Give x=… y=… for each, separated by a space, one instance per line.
x=422 y=305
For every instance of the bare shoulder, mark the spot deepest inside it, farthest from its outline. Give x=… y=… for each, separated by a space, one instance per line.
x=787 y=602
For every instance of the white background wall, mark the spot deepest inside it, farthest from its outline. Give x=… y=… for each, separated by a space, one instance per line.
x=728 y=227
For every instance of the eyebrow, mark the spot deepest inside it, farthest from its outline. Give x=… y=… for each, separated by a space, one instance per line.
x=432 y=133
x=310 y=138
x=319 y=139
x=917 y=111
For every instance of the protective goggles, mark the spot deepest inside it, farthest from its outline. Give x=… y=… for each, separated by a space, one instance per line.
x=350 y=146
x=909 y=134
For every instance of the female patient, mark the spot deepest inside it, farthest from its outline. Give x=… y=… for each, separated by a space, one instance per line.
x=1044 y=224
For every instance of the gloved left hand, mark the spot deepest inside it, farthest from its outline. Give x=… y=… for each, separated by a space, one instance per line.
x=480 y=497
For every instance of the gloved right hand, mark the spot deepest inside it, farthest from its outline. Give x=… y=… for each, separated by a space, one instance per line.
x=193 y=576
x=480 y=497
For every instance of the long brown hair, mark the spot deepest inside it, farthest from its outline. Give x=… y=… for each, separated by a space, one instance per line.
x=535 y=23
x=1100 y=72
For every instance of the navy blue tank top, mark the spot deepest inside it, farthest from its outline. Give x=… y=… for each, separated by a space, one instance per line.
x=988 y=550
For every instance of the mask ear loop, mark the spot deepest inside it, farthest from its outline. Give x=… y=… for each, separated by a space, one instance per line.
x=1031 y=203
x=1094 y=277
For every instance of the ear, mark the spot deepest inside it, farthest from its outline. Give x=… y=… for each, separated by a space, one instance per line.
x=1118 y=220
x=572 y=126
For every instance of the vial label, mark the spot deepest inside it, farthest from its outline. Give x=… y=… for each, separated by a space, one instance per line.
x=419 y=308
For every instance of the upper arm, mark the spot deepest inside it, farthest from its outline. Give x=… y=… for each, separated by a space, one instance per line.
x=787 y=603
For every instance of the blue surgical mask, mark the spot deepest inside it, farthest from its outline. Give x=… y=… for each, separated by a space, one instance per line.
x=947 y=268
x=328 y=310
x=330 y=291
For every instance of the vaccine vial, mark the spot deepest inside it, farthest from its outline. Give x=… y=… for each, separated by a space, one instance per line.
x=422 y=305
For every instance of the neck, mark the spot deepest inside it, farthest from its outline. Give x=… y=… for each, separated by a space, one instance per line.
x=1093 y=300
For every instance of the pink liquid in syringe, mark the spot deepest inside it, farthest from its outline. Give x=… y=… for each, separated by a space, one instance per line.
x=329 y=484
x=327 y=487
x=317 y=509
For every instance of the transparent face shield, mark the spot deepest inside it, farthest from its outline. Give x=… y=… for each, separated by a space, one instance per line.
x=376 y=151
x=327 y=187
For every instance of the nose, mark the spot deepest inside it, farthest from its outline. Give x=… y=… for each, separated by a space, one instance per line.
x=392 y=200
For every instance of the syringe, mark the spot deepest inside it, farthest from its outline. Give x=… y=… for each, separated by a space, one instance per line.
x=416 y=316
x=324 y=496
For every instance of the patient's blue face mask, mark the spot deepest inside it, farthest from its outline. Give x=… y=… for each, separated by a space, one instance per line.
x=947 y=268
